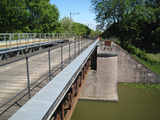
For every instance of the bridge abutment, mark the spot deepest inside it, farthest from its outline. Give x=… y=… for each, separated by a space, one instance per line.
x=102 y=84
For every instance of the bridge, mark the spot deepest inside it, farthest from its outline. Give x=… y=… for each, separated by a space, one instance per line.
x=13 y=44
x=23 y=76
x=58 y=98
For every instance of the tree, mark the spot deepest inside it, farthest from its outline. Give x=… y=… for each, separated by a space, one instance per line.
x=11 y=15
x=43 y=17
x=77 y=28
x=136 y=22
x=66 y=24
x=28 y=16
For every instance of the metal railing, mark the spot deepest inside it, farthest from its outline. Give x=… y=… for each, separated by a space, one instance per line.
x=61 y=93
x=74 y=49
x=11 y=42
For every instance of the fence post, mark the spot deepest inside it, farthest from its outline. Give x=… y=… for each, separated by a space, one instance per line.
x=49 y=65
x=69 y=53
x=27 y=66
x=78 y=47
x=84 y=42
x=74 y=49
x=61 y=57
x=10 y=42
x=19 y=41
x=81 y=44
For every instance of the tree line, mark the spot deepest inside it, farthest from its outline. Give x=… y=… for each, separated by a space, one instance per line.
x=35 y=16
x=135 y=22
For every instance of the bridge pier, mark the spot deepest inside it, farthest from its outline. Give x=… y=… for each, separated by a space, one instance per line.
x=102 y=84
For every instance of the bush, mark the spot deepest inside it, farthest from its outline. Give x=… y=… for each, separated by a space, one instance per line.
x=140 y=53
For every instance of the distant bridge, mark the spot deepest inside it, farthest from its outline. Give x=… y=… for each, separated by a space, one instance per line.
x=13 y=44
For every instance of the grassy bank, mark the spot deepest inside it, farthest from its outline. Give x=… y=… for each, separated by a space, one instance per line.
x=151 y=56
x=154 y=67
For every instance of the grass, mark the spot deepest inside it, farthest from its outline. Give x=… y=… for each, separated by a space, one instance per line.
x=152 y=53
x=155 y=68
x=154 y=56
x=144 y=86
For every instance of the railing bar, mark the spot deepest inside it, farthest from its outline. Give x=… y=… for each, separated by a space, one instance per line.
x=69 y=53
x=33 y=54
x=61 y=57
x=27 y=66
x=49 y=65
x=72 y=56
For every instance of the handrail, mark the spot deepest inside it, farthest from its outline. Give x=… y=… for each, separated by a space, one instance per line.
x=46 y=101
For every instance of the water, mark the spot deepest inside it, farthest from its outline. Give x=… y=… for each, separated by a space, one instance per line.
x=134 y=104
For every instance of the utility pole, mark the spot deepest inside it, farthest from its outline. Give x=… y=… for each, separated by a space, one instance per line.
x=70 y=19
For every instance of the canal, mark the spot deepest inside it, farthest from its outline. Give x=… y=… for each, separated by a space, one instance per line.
x=134 y=104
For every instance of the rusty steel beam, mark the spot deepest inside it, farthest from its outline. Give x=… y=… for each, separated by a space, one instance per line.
x=68 y=104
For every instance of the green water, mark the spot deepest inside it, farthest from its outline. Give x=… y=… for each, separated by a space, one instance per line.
x=134 y=104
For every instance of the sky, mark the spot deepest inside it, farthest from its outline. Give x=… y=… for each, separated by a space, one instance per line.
x=85 y=16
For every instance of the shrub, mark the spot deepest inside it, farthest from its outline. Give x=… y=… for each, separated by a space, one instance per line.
x=140 y=53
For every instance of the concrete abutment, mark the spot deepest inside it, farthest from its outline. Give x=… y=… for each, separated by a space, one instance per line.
x=102 y=84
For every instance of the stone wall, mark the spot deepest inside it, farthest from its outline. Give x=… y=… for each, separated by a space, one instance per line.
x=130 y=69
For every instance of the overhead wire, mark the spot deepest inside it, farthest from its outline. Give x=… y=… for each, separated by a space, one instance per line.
x=65 y=6
x=82 y=17
x=70 y=10
x=64 y=14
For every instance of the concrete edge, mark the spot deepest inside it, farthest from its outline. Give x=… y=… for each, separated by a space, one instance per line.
x=115 y=99
x=107 y=54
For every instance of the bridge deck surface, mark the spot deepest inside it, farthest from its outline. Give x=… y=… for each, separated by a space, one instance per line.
x=58 y=86
x=13 y=77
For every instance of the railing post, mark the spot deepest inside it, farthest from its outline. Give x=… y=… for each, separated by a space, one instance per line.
x=81 y=44
x=84 y=42
x=74 y=49
x=49 y=65
x=27 y=66
x=10 y=42
x=61 y=57
x=69 y=53
x=34 y=39
x=19 y=41
x=78 y=47
x=27 y=41
x=6 y=42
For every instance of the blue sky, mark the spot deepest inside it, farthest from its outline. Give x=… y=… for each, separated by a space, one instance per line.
x=85 y=15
